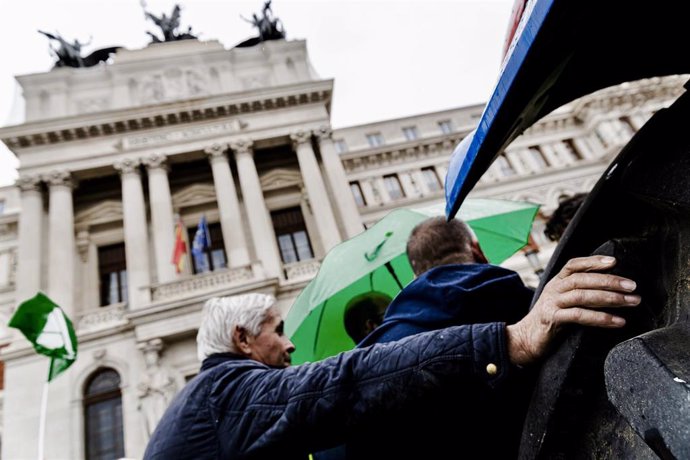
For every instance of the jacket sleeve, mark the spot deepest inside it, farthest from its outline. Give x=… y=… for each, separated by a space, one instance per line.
x=311 y=406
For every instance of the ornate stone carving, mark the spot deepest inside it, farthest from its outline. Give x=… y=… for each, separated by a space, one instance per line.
x=169 y=84
x=155 y=161
x=194 y=195
x=242 y=146
x=82 y=241
x=127 y=166
x=280 y=178
x=59 y=178
x=28 y=182
x=156 y=388
x=300 y=137
x=99 y=355
x=101 y=213
x=103 y=318
x=97 y=104
x=323 y=132
x=216 y=152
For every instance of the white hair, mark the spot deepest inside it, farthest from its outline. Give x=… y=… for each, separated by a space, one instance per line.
x=221 y=315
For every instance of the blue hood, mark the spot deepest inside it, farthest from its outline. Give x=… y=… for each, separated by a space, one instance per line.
x=452 y=295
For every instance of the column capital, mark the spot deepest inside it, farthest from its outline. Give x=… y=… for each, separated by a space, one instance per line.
x=127 y=166
x=323 y=132
x=155 y=161
x=59 y=178
x=216 y=151
x=28 y=182
x=300 y=137
x=242 y=146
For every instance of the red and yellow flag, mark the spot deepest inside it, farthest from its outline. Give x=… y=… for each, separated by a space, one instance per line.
x=180 y=248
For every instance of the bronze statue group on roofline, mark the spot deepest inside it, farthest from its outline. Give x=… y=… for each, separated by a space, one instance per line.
x=68 y=54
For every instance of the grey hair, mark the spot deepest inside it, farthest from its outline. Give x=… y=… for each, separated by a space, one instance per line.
x=221 y=315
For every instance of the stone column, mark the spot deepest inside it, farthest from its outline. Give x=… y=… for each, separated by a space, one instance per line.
x=583 y=147
x=162 y=220
x=316 y=189
x=515 y=161
x=260 y=223
x=340 y=186
x=442 y=172
x=136 y=235
x=61 y=241
x=228 y=207
x=550 y=154
x=29 y=252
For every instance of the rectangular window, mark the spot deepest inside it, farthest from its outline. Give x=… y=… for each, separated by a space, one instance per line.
x=395 y=190
x=291 y=232
x=2 y=207
x=446 y=126
x=431 y=179
x=112 y=273
x=214 y=257
x=375 y=139
x=357 y=193
x=410 y=133
x=340 y=146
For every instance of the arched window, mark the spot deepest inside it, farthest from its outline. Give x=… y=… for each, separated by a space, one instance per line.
x=103 y=416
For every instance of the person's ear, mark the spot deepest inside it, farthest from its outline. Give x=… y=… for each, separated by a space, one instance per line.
x=240 y=339
x=478 y=254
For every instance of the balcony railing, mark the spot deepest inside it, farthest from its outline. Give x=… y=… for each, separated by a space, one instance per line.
x=104 y=317
x=301 y=271
x=203 y=282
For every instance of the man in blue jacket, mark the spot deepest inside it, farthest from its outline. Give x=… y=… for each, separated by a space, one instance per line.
x=454 y=285
x=247 y=403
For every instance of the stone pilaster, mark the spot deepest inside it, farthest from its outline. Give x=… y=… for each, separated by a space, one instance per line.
x=30 y=253
x=335 y=174
x=260 y=223
x=228 y=207
x=61 y=241
x=136 y=235
x=162 y=220
x=316 y=190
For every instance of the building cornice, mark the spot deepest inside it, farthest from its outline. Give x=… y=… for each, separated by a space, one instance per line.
x=189 y=111
x=404 y=152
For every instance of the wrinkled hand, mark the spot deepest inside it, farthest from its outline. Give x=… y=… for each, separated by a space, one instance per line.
x=572 y=296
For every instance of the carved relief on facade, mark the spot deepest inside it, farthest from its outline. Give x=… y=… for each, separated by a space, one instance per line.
x=280 y=178
x=255 y=81
x=103 y=318
x=96 y=104
x=169 y=84
x=101 y=213
x=193 y=195
x=156 y=388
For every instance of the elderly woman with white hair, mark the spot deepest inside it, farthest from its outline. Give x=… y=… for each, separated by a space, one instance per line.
x=247 y=403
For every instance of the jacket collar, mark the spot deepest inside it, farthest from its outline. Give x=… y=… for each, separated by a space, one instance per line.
x=219 y=358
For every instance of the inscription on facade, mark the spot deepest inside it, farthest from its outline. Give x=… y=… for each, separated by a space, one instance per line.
x=135 y=142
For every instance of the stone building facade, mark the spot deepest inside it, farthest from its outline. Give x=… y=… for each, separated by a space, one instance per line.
x=114 y=156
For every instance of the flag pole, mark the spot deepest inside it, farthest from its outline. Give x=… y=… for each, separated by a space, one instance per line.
x=42 y=422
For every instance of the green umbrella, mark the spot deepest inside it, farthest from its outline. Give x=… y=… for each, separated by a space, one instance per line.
x=376 y=260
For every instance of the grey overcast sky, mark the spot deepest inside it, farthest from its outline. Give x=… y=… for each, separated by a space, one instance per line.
x=389 y=58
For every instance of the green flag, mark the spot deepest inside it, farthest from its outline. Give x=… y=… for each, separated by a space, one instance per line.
x=50 y=331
